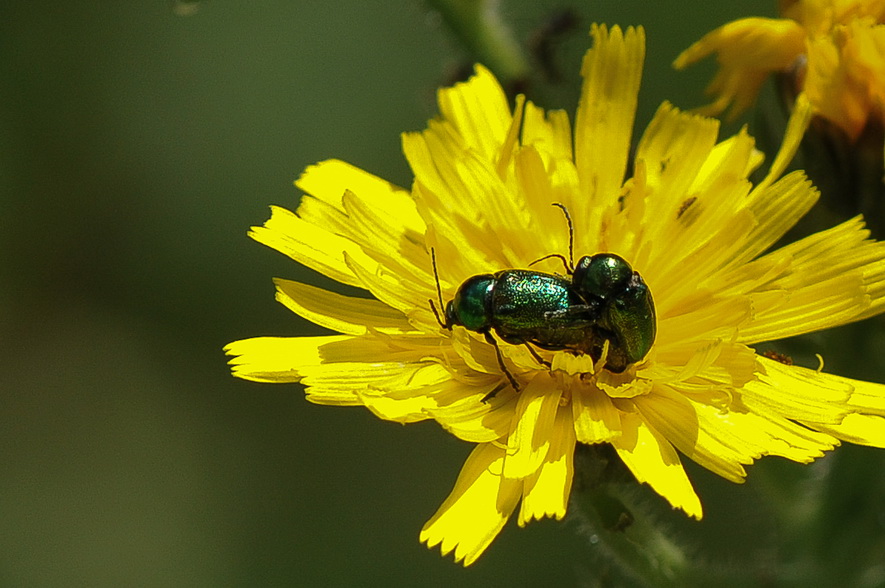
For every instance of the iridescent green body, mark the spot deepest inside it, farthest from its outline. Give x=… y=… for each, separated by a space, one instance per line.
x=524 y=306
x=603 y=300
x=627 y=316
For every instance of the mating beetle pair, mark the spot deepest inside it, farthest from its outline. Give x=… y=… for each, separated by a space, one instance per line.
x=602 y=300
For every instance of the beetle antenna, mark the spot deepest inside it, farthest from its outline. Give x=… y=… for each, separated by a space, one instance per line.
x=438 y=293
x=562 y=258
x=571 y=236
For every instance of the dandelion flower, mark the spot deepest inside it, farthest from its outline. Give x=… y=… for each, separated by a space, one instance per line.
x=688 y=221
x=834 y=52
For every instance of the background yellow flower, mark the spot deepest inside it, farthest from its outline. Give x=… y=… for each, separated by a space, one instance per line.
x=832 y=51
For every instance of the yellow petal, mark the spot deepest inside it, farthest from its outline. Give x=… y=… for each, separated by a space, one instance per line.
x=675 y=417
x=328 y=180
x=465 y=201
x=624 y=385
x=777 y=209
x=550 y=134
x=463 y=166
x=747 y=50
x=408 y=397
x=352 y=382
x=800 y=117
x=863 y=429
x=310 y=245
x=547 y=224
x=722 y=160
x=826 y=279
x=384 y=235
x=389 y=288
x=403 y=348
x=703 y=216
x=476 y=354
x=277 y=359
x=364 y=216
x=674 y=148
x=496 y=218
x=832 y=90
x=478 y=426
x=546 y=493
x=533 y=428
x=699 y=320
x=799 y=393
x=463 y=410
x=866 y=423
x=787 y=439
x=476 y=510
x=866 y=48
x=478 y=110
x=717 y=364
x=604 y=124
x=345 y=314
x=653 y=461
x=380 y=231
x=596 y=418
x=868 y=397
x=723 y=439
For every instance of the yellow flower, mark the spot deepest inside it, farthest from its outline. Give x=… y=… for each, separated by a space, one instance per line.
x=833 y=51
x=688 y=221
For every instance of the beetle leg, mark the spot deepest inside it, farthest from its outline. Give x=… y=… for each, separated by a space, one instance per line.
x=537 y=356
x=491 y=340
x=494 y=391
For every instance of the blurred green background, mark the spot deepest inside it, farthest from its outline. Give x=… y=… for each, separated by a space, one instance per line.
x=137 y=147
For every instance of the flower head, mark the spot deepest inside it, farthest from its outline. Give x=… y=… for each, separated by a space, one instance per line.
x=833 y=51
x=688 y=222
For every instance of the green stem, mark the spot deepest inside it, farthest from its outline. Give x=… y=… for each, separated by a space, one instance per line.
x=627 y=543
x=479 y=26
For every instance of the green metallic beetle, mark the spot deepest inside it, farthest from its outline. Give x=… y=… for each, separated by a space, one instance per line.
x=524 y=306
x=604 y=300
x=627 y=311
